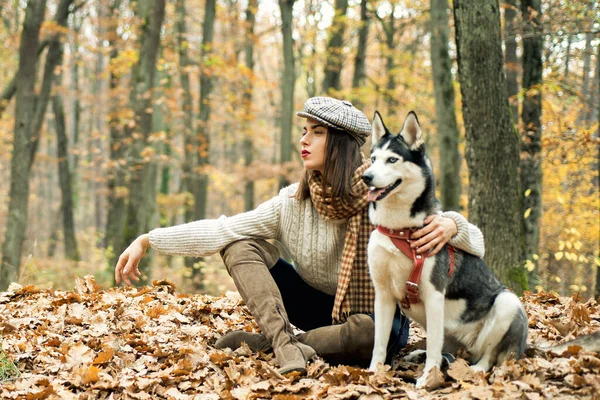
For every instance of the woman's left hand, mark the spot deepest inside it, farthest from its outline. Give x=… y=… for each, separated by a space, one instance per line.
x=434 y=235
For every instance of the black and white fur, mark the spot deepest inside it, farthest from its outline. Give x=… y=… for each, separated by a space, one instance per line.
x=471 y=308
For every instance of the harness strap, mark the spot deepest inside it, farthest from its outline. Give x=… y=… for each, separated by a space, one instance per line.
x=401 y=239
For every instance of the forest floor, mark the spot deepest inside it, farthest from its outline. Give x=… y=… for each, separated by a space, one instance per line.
x=155 y=343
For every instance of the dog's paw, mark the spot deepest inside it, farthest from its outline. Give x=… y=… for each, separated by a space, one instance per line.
x=416 y=356
x=431 y=379
x=421 y=382
x=374 y=366
x=478 y=368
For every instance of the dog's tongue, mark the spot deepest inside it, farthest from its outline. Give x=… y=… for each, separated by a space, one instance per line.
x=374 y=193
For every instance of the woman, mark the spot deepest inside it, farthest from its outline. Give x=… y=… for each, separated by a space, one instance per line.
x=322 y=221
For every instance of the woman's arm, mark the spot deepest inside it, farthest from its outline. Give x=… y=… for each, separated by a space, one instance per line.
x=200 y=238
x=449 y=227
x=209 y=236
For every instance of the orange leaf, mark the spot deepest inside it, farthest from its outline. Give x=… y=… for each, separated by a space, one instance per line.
x=104 y=356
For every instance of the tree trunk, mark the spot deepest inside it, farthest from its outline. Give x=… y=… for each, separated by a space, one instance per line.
x=360 y=74
x=597 y=290
x=390 y=64
x=29 y=114
x=117 y=171
x=10 y=89
x=585 y=84
x=492 y=144
x=511 y=61
x=287 y=86
x=143 y=173
x=247 y=101
x=334 y=59
x=64 y=171
x=197 y=179
x=531 y=140
x=445 y=107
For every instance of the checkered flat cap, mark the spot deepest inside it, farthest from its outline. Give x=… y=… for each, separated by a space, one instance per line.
x=339 y=114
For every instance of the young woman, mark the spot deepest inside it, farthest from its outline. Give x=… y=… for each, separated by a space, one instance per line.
x=323 y=223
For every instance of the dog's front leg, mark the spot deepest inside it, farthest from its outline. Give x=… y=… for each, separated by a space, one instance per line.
x=385 y=306
x=434 y=314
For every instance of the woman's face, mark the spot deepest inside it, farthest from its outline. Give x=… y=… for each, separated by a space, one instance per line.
x=313 y=145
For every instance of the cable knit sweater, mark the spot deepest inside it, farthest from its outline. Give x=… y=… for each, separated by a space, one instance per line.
x=314 y=244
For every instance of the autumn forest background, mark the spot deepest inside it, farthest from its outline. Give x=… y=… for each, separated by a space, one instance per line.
x=120 y=116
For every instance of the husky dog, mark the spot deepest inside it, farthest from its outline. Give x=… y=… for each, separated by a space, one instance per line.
x=456 y=298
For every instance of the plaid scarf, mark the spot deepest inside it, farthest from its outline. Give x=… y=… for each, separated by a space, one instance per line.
x=355 y=293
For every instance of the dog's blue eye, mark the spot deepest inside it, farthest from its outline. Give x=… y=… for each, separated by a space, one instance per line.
x=373 y=159
x=392 y=160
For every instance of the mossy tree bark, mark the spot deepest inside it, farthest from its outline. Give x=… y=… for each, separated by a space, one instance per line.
x=492 y=143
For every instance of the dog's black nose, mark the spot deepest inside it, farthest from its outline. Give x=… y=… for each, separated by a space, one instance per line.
x=367 y=178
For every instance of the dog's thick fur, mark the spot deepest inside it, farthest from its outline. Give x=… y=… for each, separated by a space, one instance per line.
x=471 y=308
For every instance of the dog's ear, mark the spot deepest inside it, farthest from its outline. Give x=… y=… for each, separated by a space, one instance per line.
x=379 y=129
x=411 y=131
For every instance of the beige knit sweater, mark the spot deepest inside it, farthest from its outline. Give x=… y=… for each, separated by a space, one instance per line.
x=314 y=244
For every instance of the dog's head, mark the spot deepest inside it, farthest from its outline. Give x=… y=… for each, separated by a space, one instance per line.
x=398 y=161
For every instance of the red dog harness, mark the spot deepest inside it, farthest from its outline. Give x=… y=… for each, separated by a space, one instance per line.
x=401 y=239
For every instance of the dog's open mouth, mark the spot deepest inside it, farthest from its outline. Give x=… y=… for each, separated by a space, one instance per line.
x=376 y=194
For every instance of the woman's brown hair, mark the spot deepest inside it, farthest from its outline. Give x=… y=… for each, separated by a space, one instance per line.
x=342 y=158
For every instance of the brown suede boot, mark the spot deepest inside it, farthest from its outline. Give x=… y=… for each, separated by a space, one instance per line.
x=234 y=340
x=350 y=343
x=248 y=263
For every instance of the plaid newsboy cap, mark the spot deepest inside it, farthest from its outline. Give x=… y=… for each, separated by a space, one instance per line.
x=339 y=114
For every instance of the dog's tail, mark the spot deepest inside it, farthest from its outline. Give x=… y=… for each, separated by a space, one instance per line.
x=589 y=342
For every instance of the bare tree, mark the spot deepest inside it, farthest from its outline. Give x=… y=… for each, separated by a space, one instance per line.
x=29 y=116
x=360 y=74
x=247 y=100
x=531 y=140
x=142 y=184
x=334 y=53
x=287 y=85
x=448 y=134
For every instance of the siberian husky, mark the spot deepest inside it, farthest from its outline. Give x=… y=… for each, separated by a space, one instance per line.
x=459 y=305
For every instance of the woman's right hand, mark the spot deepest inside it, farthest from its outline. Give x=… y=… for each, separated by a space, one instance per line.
x=127 y=266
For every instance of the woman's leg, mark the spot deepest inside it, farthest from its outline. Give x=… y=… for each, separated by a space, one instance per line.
x=307 y=307
x=248 y=263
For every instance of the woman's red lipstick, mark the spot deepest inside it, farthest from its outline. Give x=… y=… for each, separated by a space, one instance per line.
x=305 y=153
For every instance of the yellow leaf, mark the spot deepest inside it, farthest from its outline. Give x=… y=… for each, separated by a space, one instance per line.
x=527 y=212
x=535 y=257
x=559 y=255
x=527 y=192
x=574 y=288
x=561 y=245
x=597 y=261
x=557 y=279
x=569 y=245
x=577 y=245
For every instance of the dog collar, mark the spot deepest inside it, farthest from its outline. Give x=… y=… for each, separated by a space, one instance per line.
x=401 y=239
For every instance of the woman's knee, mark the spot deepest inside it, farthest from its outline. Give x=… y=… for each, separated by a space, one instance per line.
x=249 y=251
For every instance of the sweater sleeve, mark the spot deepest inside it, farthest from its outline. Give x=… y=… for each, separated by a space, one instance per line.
x=468 y=237
x=208 y=236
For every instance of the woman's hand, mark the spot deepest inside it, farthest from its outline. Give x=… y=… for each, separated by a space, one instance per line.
x=127 y=266
x=434 y=235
